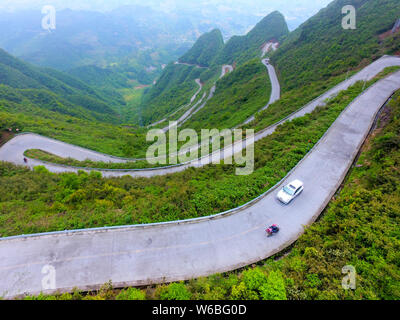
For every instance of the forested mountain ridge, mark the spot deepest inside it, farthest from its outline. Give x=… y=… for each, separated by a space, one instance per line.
x=100 y=77
x=177 y=83
x=320 y=48
x=241 y=49
x=52 y=90
x=205 y=49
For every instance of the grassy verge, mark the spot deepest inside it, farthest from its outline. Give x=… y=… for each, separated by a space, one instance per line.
x=49 y=157
x=360 y=227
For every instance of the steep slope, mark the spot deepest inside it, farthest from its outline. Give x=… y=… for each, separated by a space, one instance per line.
x=205 y=49
x=321 y=48
x=74 y=97
x=108 y=81
x=100 y=77
x=240 y=49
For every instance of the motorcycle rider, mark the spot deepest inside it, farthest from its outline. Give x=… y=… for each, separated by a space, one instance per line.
x=272 y=229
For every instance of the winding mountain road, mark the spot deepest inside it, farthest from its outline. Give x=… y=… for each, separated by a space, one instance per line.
x=193 y=110
x=192 y=99
x=141 y=255
x=275 y=89
x=14 y=149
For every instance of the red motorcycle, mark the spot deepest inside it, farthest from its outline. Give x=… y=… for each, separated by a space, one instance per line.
x=272 y=230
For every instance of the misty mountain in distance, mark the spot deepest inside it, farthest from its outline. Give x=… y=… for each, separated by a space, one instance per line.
x=87 y=37
x=136 y=39
x=295 y=11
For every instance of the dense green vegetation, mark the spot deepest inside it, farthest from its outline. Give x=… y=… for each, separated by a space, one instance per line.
x=31 y=202
x=240 y=49
x=359 y=228
x=48 y=157
x=205 y=49
x=42 y=101
x=100 y=77
x=323 y=49
x=34 y=101
x=106 y=80
x=130 y=113
x=48 y=88
x=325 y=53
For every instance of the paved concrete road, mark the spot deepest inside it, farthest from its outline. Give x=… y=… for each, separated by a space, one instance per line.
x=140 y=255
x=14 y=149
x=275 y=89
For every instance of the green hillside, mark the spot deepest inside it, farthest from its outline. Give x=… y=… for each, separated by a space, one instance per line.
x=57 y=105
x=176 y=85
x=100 y=77
x=320 y=48
x=73 y=96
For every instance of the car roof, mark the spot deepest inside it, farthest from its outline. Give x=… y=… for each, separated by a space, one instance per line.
x=296 y=183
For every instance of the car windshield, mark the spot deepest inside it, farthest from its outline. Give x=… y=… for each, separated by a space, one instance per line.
x=289 y=190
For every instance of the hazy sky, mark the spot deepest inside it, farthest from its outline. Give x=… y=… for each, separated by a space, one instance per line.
x=292 y=9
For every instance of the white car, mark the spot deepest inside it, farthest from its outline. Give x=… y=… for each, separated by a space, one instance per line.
x=290 y=191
